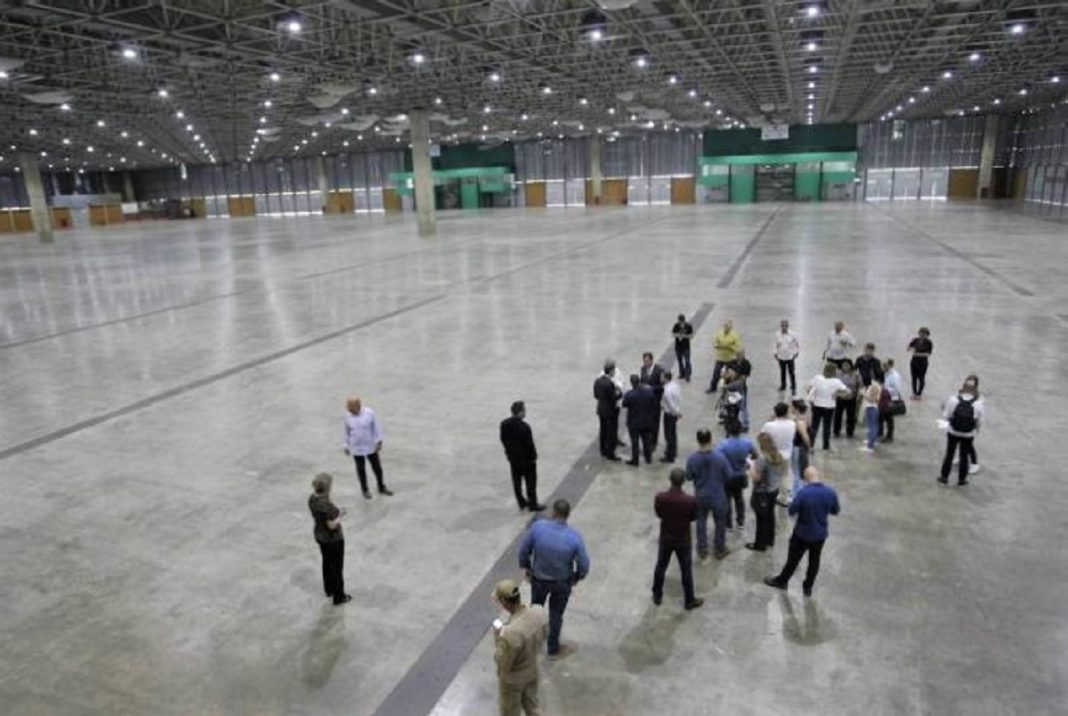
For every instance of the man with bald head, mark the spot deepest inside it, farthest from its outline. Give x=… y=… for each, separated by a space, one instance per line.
x=363 y=441
x=811 y=506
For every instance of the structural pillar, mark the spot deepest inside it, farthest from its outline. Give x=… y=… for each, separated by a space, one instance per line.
x=986 y=157
x=127 y=183
x=424 y=178
x=324 y=187
x=42 y=215
x=595 y=168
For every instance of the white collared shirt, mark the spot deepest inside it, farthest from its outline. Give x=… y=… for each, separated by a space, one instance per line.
x=839 y=345
x=671 y=401
x=786 y=345
x=362 y=432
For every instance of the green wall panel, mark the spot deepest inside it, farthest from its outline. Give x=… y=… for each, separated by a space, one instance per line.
x=803 y=138
x=464 y=156
x=469 y=195
x=807 y=185
x=743 y=185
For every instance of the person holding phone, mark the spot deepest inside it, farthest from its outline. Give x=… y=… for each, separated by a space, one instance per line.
x=329 y=536
x=516 y=643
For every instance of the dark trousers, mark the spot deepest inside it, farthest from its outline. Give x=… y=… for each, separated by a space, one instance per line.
x=966 y=451
x=717 y=370
x=645 y=437
x=682 y=353
x=376 y=467
x=798 y=547
x=847 y=407
x=557 y=594
x=918 y=370
x=837 y=362
x=886 y=425
x=609 y=434
x=684 y=553
x=821 y=417
x=764 y=512
x=333 y=569
x=525 y=472
x=656 y=429
x=671 y=436
x=736 y=500
x=787 y=367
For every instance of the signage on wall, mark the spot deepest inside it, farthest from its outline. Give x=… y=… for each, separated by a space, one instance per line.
x=775 y=131
x=435 y=150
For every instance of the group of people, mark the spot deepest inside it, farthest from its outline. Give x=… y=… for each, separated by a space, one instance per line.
x=553 y=555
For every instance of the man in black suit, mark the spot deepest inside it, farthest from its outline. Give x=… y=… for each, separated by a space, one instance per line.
x=518 y=441
x=642 y=406
x=608 y=395
x=653 y=376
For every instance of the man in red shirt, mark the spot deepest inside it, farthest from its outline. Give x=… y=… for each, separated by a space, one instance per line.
x=676 y=511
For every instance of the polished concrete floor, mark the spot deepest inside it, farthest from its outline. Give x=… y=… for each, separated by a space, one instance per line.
x=170 y=389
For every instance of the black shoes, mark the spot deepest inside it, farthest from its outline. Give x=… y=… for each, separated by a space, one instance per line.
x=613 y=458
x=774 y=582
x=721 y=555
x=667 y=459
x=536 y=507
x=962 y=483
x=944 y=480
x=385 y=491
x=345 y=599
x=632 y=463
x=367 y=494
x=657 y=600
x=694 y=604
x=753 y=546
x=807 y=591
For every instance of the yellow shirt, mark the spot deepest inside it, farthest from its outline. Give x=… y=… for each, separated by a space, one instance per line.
x=726 y=345
x=518 y=644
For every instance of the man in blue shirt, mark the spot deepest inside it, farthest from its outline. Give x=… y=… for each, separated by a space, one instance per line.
x=737 y=448
x=709 y=472
x=811 y=505
x=554 y=558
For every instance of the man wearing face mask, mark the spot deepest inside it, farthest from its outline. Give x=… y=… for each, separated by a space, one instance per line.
x=516 y=644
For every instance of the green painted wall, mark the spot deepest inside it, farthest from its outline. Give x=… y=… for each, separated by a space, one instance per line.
x=803 y=138
x=469 y=194
x=743 y=184
x=807 y=181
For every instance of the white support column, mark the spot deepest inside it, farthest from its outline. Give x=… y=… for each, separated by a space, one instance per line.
x=324 y=186
x=595 y=168
x=42 y=215
x=424 y=179
x=127 y=182
x=986 y=157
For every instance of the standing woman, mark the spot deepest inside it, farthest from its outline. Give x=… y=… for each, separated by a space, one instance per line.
x=363 y=441
x=870 y=408
x=767 y=474
x=822 y=393
x=892 y=388
x=921 y=348
x=328 y=534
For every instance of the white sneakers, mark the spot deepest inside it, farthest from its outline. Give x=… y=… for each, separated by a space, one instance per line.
x=973 y=468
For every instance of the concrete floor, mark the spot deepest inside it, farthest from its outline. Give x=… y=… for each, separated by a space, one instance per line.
x=169 y=390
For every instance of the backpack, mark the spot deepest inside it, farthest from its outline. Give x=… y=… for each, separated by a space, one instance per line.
x=963 y=418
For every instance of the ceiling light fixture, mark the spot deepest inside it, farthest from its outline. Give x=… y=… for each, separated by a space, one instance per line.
x=268 y=103
x=811 y=47
x=947 y=75
x=494 y=76
x=912 y=100
x=293 y=26
x=263 y=120
x=1023 y=91
x=1055 y=79
x=812 y=85
x=813 y=69
x=64 y=107
x=140 y=142
x=101 y=123
x=274 y=77
x=692 y=94
x=189 y=128
x=486 y=109
x=33 y=132
x=997 y=101
x=546 y=89
x=925 y=89
x=1017 y=28
x=611 y=110
x=672 y=79
x=583 y=101
x=129 y=53
x=124 y=134
x=3 y=75
x=974 y=57
x=437 y=100
x=418 y=58
x=812 y=11
x=372 y=90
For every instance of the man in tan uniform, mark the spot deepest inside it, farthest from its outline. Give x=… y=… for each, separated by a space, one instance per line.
x=517 y=643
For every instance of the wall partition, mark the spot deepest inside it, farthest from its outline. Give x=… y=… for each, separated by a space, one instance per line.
x=1040 y=155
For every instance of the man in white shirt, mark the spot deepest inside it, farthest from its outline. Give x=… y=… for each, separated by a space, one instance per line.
x=787 y=347
x=671 y=403
x=782 y=430
x=840 y=345
x=892 y=385
x=363 y=441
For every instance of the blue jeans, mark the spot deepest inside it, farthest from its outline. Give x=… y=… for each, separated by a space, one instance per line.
x=871 y=419
x=719 y=518
x=557 y=593
x=743 y=411
x=798 y=463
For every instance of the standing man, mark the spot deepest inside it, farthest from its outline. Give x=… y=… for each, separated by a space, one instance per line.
x=964 y=412
x=869 y=367
x=787 y=348
x=921 y=348
x=607 y=395
x=741 y=369
x=516 y=643
x=363 y=441
x=810 y=505
x=518 y=441
x=709 y=472
x=725 y=344
x=840 y=345
x=671 y=402
x=642 y=408
x=683 y=332
x=892 y=387
x=555 y=560
x=653 y=375
x=676 y=511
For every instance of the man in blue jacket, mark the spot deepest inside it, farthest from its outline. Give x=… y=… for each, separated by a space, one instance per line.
x=709 y=472
x=811 y=505
x=554 y=557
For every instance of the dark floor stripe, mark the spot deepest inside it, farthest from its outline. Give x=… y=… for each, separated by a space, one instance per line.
x=426 y=681
x=728 y=278
x=207 y=380
x=1012 y=286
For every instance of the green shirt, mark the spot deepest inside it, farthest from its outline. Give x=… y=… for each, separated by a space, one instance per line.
x=726 y=345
